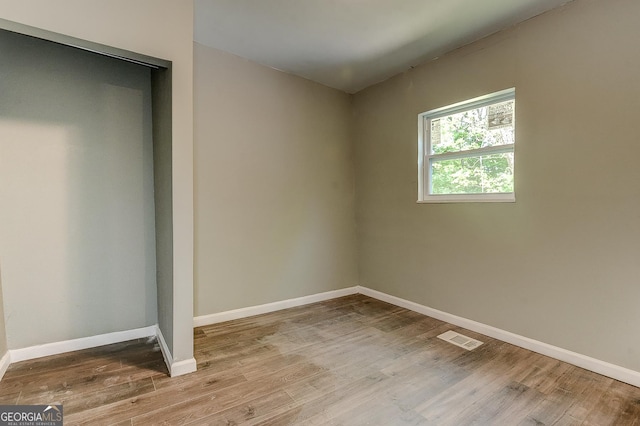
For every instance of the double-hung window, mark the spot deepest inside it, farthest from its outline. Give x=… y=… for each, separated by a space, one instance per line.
x=466 y=150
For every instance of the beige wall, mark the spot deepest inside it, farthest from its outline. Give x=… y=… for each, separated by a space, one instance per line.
x=3 y=333
x=561 y=264
x=274 y=185
x=163 y=29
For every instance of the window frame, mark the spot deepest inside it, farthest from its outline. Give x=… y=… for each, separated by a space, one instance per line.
x=425 y=156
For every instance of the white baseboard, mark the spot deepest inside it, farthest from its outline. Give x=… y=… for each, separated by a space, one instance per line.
x=186 y=366
x=176 y=368
x=5 y=362
x=55 y=348
x=270 y=307
x=617 y=372
x=164 y=348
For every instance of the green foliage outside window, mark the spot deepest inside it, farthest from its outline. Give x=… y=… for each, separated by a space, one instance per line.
x=471 y=130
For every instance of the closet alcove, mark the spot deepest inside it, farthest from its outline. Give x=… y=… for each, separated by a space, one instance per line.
x=86 y=227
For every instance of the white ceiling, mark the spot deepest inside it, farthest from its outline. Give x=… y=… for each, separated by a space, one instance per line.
x=352 y=44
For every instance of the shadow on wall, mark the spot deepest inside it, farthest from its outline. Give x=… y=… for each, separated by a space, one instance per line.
x=77 y=231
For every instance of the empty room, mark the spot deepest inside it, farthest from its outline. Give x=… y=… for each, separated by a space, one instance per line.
x=319 y=212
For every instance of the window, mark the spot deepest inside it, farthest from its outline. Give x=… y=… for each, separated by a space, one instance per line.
x=466 y=151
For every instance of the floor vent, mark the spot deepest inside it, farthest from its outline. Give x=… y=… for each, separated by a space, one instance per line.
x=460 y=340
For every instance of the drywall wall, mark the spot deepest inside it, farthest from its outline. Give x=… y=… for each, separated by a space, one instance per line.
x=274 y=185
x=561 y=264
x=162 y=29
x=3 y=332
x=76 y=183
x=161 y=112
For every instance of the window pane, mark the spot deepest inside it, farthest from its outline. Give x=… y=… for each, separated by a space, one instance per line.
x=477 y=128
x=473 y=175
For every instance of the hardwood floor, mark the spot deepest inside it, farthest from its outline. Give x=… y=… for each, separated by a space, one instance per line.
x=347 y=361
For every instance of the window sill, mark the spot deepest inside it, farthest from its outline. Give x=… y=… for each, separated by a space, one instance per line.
x=469 y=198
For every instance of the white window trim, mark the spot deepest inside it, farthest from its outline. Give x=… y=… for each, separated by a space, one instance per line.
x=424 y=157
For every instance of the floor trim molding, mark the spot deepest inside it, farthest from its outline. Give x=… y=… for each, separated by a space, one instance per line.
x=164 y=349
x=38 y=351
x=270 y=307
x=186 y=366
x=5 y=362
x=176 y=368
x=617 y=372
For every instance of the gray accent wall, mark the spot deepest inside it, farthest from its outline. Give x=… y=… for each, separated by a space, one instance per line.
x=162 y=156
x=77 y=220
x=560 y=265
x=157 y=32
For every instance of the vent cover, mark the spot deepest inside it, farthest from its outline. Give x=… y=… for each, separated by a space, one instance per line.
x=460 y=340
